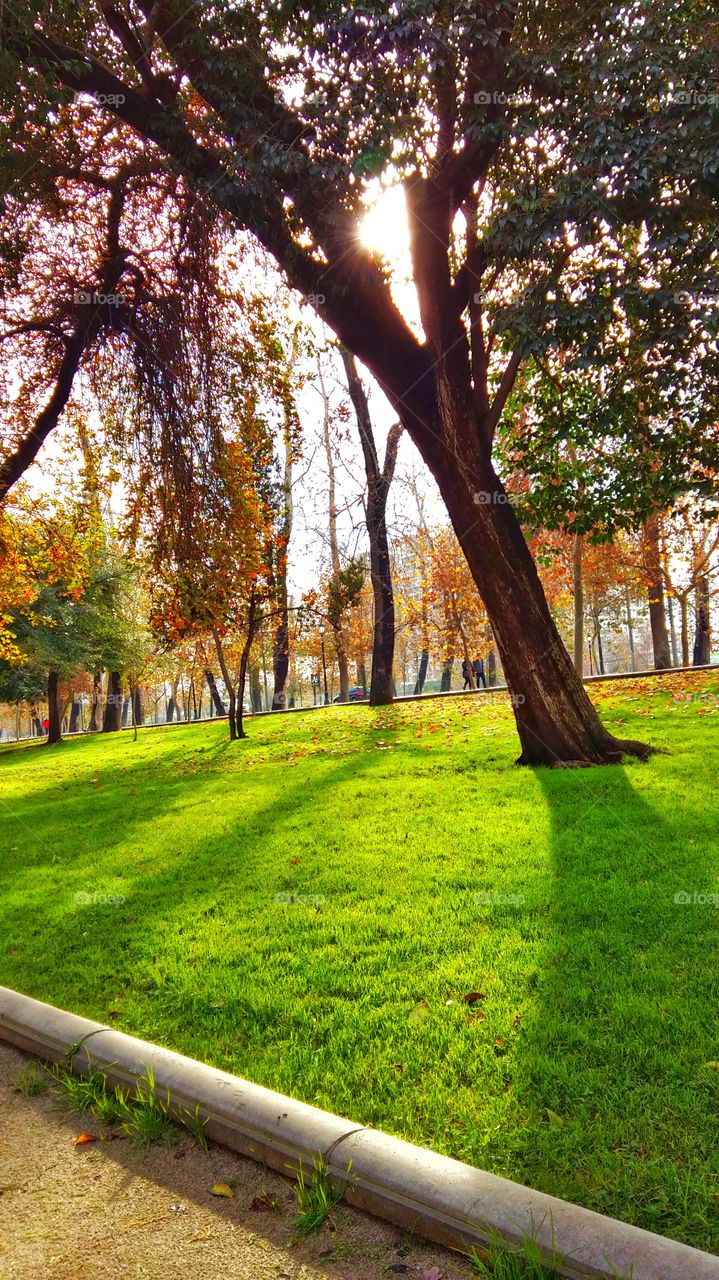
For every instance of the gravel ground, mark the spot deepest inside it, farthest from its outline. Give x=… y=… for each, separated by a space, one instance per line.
x=109 y=1211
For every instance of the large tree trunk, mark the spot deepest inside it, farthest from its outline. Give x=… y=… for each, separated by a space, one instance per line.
x=54 y=733
x=556 y=720
x=217 y=702
x=702 y=634
x=578 y=580
x=112 y=720
x=654 y=576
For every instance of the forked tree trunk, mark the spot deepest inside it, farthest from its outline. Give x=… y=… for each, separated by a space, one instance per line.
x=379 y=480
x=228 y=681
x=54 y=733
x=252 y=619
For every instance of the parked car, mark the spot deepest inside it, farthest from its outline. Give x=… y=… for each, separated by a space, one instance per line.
x=357 y=694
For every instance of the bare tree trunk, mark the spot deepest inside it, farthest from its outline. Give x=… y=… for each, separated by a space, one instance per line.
x=684 y=607
x=422 y=672
x=654 y=576
x=54 y=733
x=244 y=662
x=673 y=632
x=630 y=631
x=378 y=484
x=578 y=580
x=702 y=633
x=229 y=683
x=281 y=638
x=112 y=720
x=95 y=715
x=342 y=663
x=217 y=702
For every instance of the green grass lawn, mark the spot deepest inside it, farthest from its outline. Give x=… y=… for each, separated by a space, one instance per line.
x=308 y=909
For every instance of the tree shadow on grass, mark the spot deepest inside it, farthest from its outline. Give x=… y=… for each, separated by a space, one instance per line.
x=615 y=1107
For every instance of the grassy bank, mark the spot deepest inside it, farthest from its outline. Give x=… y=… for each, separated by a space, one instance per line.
x=310 y=908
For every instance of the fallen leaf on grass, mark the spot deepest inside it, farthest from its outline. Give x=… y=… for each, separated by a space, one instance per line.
x=419 y=1012
x=713 y=1066
x=83 y=1138
x=222 y=1189
x=555 y=1121
x=473 y=997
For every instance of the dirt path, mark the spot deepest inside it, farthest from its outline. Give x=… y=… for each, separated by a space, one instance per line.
x=110 y=1211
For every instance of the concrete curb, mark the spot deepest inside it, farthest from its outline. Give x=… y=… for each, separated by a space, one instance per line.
x=417 y=1189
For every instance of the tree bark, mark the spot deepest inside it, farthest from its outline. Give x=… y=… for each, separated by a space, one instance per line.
x=654 y=576
x=138 y=709
x=255 y=688
x=95 y=715
x=112 y=719
x=422 y=672
x=244 y=663
x=556 y=720
x=75 y=709
x=684 y=608
x=578 y=580
x=217 y=702
x=630 y=631
x=379 y=480
x=281 y=638
x=54 y=733
x=673 y=632
x=702 y=634
x=229 y=684
x=491 y=668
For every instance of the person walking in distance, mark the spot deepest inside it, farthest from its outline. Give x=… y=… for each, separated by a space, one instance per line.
x=479 y=672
